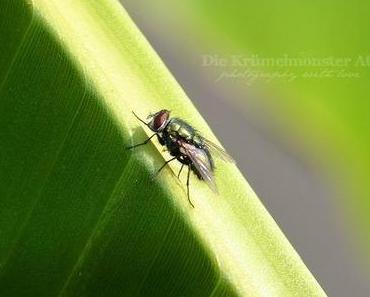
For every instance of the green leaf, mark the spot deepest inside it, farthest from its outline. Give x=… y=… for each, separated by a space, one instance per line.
x=79 y=214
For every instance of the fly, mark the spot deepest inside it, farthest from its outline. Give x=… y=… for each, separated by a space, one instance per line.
x=186 y=145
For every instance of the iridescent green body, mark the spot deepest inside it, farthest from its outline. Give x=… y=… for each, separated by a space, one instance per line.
x=177 y=131
x=179 y=128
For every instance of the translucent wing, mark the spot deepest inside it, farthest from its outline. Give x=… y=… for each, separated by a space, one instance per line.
x=217 y=150
x=201 y=162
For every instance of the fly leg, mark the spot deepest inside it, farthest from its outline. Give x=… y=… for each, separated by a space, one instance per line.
x=145 y=142
x=159 y=170
x=187 y=186
x=182 y=166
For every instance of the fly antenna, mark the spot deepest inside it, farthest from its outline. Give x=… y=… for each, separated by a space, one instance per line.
x=146 y=124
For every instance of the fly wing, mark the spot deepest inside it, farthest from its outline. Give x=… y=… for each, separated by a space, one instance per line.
x=217 y=150
x=201 y=162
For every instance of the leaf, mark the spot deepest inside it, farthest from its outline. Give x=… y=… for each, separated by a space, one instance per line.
x=79 y=214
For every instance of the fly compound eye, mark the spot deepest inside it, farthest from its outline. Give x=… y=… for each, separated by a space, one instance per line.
x=159 y=120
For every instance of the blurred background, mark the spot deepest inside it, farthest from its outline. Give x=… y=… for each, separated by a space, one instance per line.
x=285 y=87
